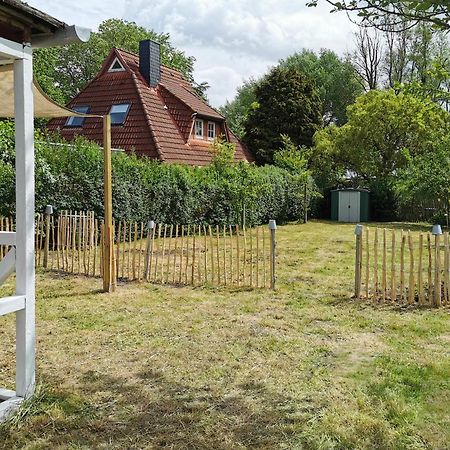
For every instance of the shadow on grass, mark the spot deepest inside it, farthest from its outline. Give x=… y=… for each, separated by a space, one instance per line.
x=154 y=412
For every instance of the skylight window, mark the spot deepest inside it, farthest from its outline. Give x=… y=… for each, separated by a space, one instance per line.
x=199 y=128
x=116 y=66
x=77 y=121
x=119 y=113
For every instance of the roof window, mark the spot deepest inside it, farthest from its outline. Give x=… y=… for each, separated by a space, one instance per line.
x=119 y=113
x=75 y=121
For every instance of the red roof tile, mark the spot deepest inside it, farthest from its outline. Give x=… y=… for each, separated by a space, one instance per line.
x=160 y=121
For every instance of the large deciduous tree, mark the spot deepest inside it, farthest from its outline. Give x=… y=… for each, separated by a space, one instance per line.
x=383 y=132
x=286 y=103
x=63 y=72
x=335 y=79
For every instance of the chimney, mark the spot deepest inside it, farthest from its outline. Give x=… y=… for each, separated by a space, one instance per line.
x=150 y=61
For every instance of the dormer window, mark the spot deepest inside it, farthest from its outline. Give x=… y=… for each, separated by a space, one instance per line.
x=119 y=113
x=116 y=66
x=199 y=128
x=211 y=131
x=75 y=121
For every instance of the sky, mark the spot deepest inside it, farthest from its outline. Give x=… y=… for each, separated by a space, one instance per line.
x=231 y=40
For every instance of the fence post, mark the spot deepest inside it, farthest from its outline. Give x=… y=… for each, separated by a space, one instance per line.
x=48 y=213
x=358 y=260
x=437 y=231
x=273 y=243
x=149 y=250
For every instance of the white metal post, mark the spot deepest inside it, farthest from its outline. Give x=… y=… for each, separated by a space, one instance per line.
x=25 y=276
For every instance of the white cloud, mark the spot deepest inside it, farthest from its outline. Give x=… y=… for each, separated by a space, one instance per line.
x=232 y=40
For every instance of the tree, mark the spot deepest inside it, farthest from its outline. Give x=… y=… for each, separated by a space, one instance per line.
x=65 y=71
x=383 y=132
x=367 y=58
x=286 y=103
x=425 y=181
x=373 y=12
x=335 y=80
x=237 y=110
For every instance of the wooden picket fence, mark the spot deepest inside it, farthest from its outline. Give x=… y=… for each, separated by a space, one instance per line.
x=159 y=253
x=401 y=267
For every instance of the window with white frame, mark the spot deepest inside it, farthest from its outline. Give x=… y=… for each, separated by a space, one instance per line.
x=116 y=66
x=211 y=131
x=119 y=113
x=199 y=128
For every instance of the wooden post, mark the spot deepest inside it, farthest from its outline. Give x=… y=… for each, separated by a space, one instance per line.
x=402 y=266
x=430 y=278
x=419 y=271
x=211 y=247
x=238 y=256
x=367 y=262
x=186 y=280
x=193 y=256
x=175 y=250
x=257 y=257
x=48 y=214
x=446 y=268
x=412 y=286
x=273 y=244
x=384 y=267
x=149 y=248
x=393 y=274
x=109 y=277
x=375 y=266
x=358 y=260
x=437 y=268
x=218 y=253
x=163 y=255
x=157 y=253
x=168 y=253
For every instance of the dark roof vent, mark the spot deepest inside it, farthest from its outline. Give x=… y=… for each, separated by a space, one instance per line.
x=150 y=61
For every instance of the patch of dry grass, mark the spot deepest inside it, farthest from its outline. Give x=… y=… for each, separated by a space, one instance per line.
x=302 y=367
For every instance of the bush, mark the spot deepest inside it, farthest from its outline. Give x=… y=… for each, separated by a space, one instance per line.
x=70 y=177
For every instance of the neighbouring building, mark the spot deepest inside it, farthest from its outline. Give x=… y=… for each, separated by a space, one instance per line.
x=154 y=111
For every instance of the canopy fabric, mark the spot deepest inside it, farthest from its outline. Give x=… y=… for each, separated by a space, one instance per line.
x=43 y=105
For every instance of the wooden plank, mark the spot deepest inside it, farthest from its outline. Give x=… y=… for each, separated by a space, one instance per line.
x=96 y=247
x=244 y=262
x=119 y=231
x=251 y=257
x=219 y=278
x=211 y=246
x=186 y=281
x=393 y=271
x=225 y=255
x=180 y=275
x=124 y=240
x=264 y=231
x=205 y=243
x=367 y=274
x=130 y=226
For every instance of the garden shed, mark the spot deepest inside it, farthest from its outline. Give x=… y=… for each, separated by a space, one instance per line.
x=350 y=205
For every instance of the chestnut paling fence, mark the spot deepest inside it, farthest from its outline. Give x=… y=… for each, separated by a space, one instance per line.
x=158 y=253
x=402 y=267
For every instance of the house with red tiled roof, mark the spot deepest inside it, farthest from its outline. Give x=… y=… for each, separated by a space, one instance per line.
x=154 y=111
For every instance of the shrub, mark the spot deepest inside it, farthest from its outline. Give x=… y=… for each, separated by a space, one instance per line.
x=70 y=177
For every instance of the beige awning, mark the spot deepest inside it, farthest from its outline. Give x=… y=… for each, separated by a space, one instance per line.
x=43 y=105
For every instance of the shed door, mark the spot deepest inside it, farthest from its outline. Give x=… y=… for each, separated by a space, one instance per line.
x=349 y=206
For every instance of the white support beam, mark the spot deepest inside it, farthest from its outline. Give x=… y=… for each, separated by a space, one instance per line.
x=7 y=265
x=14 y=50
x=13 y=304
x=7 y=238
x=25 y=191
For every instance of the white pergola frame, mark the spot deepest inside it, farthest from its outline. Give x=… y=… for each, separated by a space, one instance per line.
x=21 y=257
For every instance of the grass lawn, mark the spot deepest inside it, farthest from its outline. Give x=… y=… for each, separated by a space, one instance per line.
x=305 y=367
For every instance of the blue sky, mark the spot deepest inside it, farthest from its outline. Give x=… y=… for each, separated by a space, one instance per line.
x=232 y=40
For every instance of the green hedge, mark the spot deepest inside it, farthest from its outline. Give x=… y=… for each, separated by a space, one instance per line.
x=71 y=177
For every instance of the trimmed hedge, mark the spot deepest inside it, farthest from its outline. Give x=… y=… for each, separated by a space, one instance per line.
x=71 y=177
